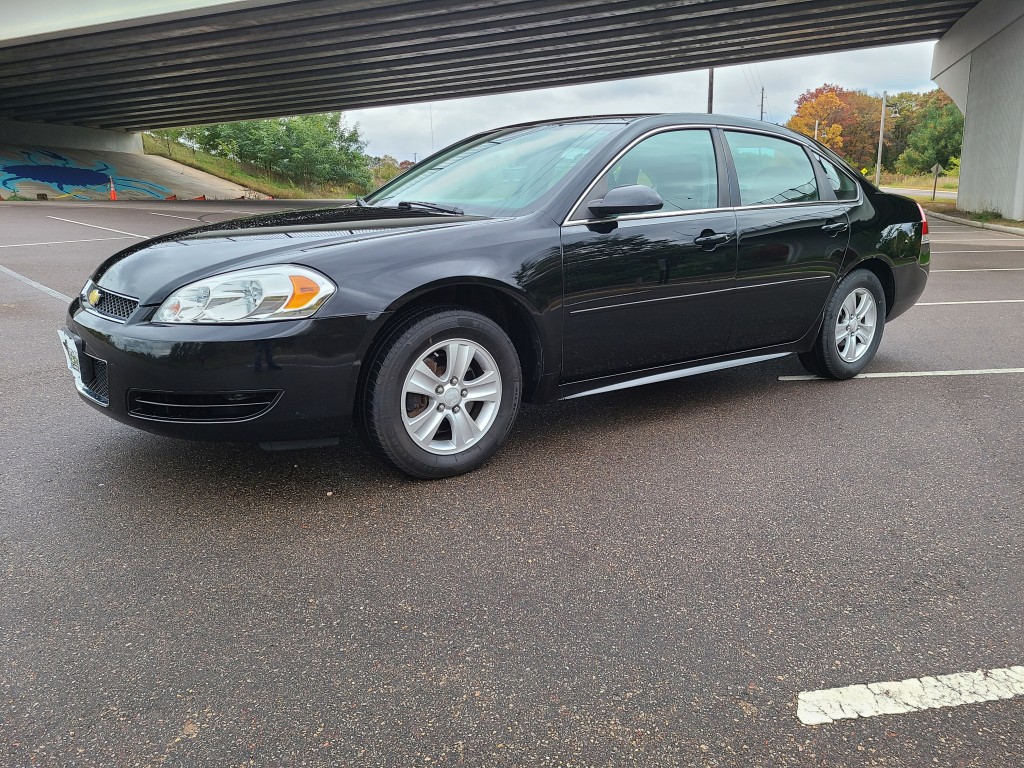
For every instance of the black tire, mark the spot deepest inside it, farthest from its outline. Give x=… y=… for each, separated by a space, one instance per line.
x=386 y=404
x=828 y=357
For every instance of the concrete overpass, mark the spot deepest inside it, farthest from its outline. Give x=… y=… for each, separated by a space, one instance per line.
x=980 y=64
x=108 y=68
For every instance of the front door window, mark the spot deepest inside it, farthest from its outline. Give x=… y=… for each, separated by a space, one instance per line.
x=678 y=165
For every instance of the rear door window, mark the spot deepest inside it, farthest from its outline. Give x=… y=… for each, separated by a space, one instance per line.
x=771 y=171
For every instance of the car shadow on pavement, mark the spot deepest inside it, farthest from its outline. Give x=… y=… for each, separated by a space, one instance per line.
x=566 y=442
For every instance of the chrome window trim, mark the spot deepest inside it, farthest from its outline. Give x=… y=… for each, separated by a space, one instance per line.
x=653 y=132
x=693 y=295
x=808 y=151
x=639 y=216
x=568 y=222
x=813 y=151
x=784 y=205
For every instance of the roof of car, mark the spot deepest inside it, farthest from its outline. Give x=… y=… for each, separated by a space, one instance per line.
x=656 y=120
x=666 y=118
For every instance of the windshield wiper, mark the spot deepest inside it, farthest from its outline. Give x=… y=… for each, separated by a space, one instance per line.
x=410 y=204
x=360 y=203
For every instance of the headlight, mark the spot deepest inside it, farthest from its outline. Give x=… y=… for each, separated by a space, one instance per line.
x=279 y=292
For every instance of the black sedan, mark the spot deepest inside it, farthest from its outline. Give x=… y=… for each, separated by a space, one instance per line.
x=536 y=262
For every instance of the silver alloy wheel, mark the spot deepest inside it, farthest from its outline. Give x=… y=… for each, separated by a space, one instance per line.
x=855 y=324
x=451 y=396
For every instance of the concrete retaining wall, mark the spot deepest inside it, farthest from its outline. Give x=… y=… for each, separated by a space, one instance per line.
x=30 y=170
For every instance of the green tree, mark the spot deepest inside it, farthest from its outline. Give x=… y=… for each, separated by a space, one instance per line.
x=169 y=136
x=384 y=169
x=937 y=137
x=321 y=149
x=309 y=149
x=926 y=126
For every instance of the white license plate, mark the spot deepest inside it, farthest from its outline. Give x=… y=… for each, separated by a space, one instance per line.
x=71 y=356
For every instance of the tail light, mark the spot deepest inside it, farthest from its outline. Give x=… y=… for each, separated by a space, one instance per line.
x=924 y=221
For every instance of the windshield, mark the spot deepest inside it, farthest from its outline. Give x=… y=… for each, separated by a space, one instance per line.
x=501 y=173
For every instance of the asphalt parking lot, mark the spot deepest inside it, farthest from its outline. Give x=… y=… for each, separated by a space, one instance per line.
x=649 y=577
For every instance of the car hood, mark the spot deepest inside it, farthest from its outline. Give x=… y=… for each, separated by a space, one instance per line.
x=149 y=270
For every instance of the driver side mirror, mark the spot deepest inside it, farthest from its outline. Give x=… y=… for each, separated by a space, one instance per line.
x=632 y=198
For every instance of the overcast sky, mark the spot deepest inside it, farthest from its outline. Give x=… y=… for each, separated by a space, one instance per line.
x=406 y=130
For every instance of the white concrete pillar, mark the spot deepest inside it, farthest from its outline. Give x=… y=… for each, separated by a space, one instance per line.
x=980 y=64
x=16 y=133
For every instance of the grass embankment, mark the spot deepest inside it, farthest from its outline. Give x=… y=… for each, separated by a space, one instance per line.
x=948 y=208
x=246 y=176
x=917 y=182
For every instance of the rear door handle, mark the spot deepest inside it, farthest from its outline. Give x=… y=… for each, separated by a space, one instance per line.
x=708 y=238
x=835 y=227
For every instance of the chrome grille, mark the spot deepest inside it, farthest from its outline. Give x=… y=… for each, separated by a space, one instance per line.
x=112 y=305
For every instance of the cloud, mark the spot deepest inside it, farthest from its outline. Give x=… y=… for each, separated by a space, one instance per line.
x=417 y=130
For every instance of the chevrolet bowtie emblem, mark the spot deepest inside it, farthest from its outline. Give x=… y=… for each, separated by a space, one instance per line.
x=94 y=297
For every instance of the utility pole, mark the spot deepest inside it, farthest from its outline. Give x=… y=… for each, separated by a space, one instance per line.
x=762 y=103
x=881 y=136
x=711 y=89
x=430 y=106
x=816 y=129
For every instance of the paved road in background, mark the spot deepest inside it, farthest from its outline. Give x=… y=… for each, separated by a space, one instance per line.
x=941 y=194
x=649 y=577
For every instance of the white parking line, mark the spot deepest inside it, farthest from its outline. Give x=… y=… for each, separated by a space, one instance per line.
x=66 y=242
x=913 y=695
x=979 y=301
x=987 y=250
x=97 y=226
x=909 y=374
x=1014 y=239
x=982 y=269
x=169 y=216
x=34 y=284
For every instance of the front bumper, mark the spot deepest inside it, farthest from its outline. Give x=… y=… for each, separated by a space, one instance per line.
x=290 y=380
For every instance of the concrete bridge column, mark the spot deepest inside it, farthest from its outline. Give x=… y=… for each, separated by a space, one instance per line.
x=980 y=64
x=17 y=133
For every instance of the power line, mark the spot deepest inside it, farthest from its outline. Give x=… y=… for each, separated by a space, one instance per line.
x=748 y=80
x=757 y=74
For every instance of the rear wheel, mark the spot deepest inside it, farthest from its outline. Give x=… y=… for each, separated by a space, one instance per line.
x=852 y=328
x=441 y=393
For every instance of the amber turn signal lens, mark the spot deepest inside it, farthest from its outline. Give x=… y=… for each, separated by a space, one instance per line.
x=304 y=291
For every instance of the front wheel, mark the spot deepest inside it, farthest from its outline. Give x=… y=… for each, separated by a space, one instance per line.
x=441 y=393
x=852 y=328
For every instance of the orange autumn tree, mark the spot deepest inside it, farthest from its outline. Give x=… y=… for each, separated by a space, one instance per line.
x=820 y=114
x=856 y=112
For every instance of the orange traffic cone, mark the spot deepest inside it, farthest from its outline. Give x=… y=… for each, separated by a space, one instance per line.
x=171 y=197
x=113 y=192
x=201 y=197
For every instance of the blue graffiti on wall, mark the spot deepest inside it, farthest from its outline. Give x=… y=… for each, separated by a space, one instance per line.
x=63 y=175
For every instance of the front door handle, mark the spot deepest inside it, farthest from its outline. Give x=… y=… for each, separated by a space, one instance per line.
x=710 y=240
x=835 y=227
